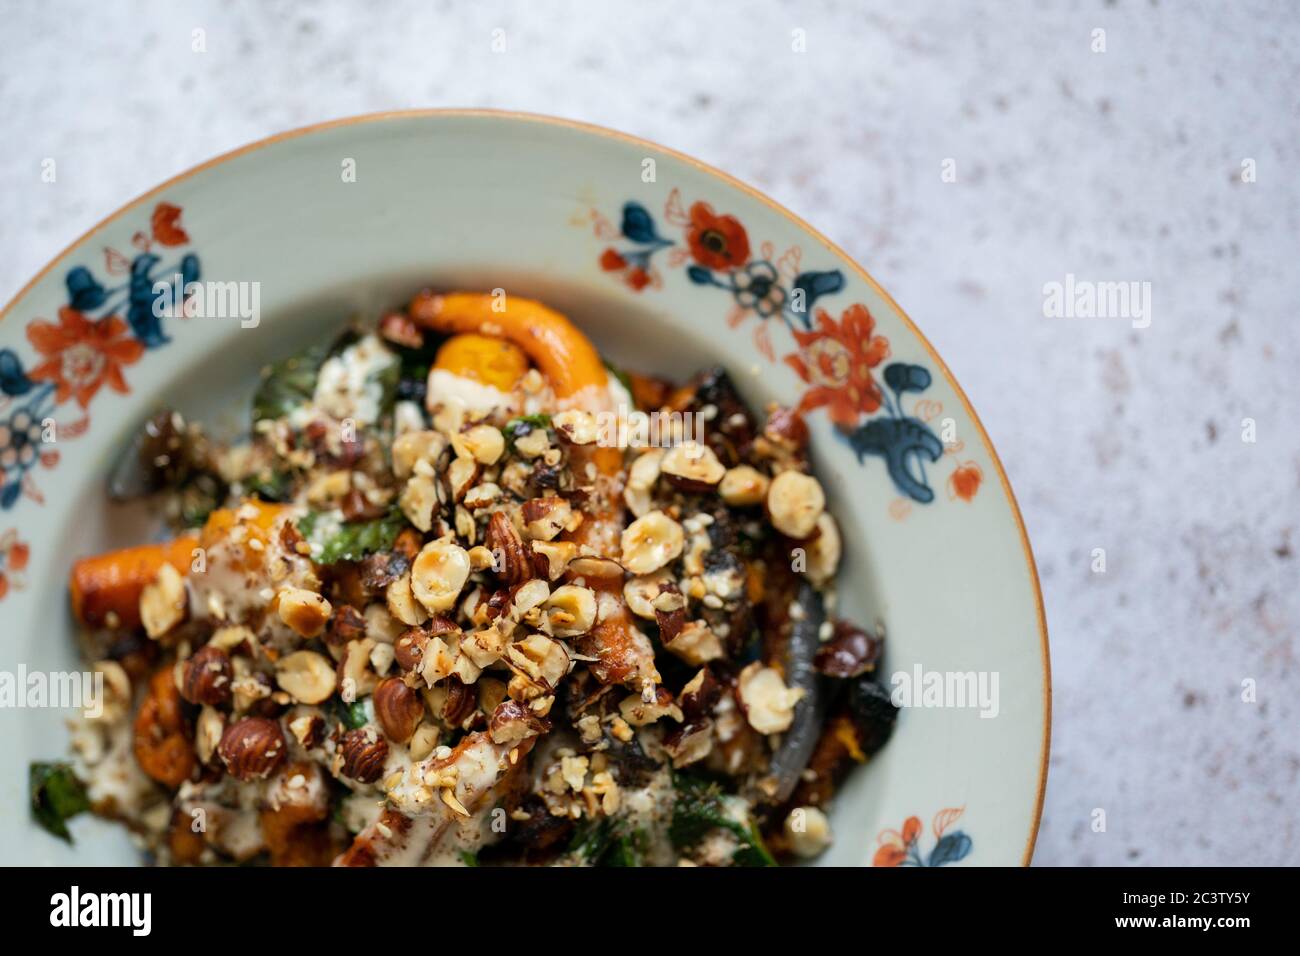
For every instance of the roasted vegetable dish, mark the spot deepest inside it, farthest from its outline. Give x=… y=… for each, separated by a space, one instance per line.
x=462 y=594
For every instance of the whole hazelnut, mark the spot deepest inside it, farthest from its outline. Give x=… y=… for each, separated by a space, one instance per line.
x=364 y=754
x=206 y=677
x=252 y=748
x=398 y=709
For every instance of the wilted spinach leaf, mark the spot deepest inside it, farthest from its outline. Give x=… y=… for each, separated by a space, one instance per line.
x=288 y=384
x=57 y=796
x=352 y=540
x=699 y=809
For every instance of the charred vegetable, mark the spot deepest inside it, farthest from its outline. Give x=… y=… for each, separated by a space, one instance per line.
x=810 y=713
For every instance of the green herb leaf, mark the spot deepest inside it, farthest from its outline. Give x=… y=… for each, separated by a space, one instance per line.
x=699 y=809
x=353 y=716
x=272 y=486
x=57 y=796
x=288 y=384
x=468 y=858
x=350 y=541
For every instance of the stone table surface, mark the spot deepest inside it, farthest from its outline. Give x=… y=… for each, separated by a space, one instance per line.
x=1130 y=163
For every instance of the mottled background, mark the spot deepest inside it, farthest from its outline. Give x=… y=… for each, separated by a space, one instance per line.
x=1120 y=165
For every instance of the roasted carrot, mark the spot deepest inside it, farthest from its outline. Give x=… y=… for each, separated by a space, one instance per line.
x=483 y=358
x=161 y=745
x=110 y=584
x=562 y=353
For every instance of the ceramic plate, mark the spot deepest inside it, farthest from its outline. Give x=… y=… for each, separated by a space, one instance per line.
x=669 y=265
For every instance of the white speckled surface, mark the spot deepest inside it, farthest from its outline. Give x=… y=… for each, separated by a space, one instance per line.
x=1112 y=166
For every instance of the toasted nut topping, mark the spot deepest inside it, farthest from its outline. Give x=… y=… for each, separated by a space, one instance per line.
x=529 y=595
x=641 y=480
x=398 y=709
x=640 y=592
x=229 y=639
x=576 y=426
x=512 y=722
x=356 y=678
x=306 y=612
x=570 y=611
x=650 y=542
x=539 y=658
x=696 y=644
x=808 y=832
x=823 y=551
x=532 y=444
x=795 y=501
x=700 y=694
x=483 y=443
x=513 y=559
x=308 y=728
x=638 y=712
x=305 y=676
x=484 y=647
x=438 y=574
x=402 y=604
x=461 y=475
x=769 y=704
x=438 y=660
x=786 y=428
x=207 y=733
x=252 y=748
x=364 y=753
x=409 y=648
x=419 y=501
x=482 y=496
x=408 y=448
x=163 y=602
x=692 y=466
x=689 y=743
x=423 y=741
x=595 y=568
x=743 y=486
x=544 y=518
x=347 y=624
x=558 y=554
x=206 y=677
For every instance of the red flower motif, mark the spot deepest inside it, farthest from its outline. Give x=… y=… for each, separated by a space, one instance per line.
x=717 y=242
x=82 y=354
x=635 y=276
x=895 y=845
x=13 y=561
x=965 y=481
x=166 y=227
x=836 y=359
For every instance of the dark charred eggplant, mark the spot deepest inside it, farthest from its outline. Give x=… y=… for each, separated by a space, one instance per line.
x=798 y=742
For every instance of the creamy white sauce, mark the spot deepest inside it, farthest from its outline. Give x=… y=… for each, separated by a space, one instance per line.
x=348 y=385
x=447 y=388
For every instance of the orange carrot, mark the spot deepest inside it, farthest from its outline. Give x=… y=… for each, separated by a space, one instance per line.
x=111 y=583
x=492 y=361
x=562 y=353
